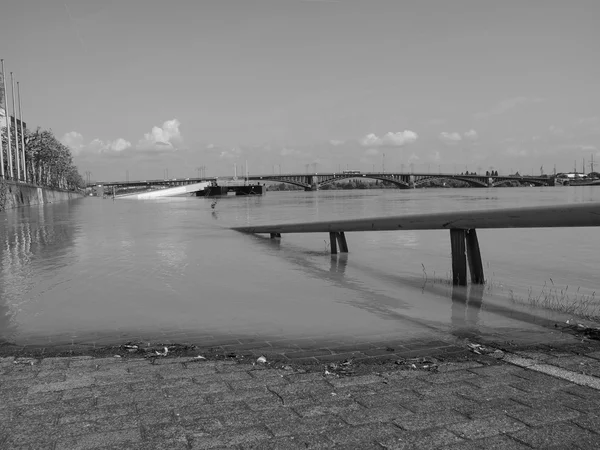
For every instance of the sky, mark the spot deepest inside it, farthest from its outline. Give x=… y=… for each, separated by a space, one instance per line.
x=142 y=88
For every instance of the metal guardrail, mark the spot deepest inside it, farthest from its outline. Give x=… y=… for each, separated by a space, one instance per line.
x=462 y=226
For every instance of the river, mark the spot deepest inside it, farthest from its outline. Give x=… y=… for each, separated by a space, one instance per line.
x=100 y=272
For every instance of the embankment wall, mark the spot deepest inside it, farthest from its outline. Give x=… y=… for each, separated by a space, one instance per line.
x=14 y=195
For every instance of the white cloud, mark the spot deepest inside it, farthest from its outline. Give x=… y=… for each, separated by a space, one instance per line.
x=390 y=139
x=450 y=138
x=372 y=152
x=119 y=145
x=413 y=158
x=471 y=135
x=230 y=154
x=335 y=142
x=74 y=141
x=370 y=140
x=159 y=139
x=165 y=138
x=400 y=138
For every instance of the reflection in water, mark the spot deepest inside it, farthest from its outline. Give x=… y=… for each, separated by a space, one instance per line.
x=466 y=306
x=339 y=263
x=32 y=238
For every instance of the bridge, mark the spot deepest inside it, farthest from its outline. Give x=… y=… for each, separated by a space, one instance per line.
x=313 y=182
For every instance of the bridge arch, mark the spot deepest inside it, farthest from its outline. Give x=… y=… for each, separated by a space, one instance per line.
x=400 y=183
x=285 y=180
x=474 y=182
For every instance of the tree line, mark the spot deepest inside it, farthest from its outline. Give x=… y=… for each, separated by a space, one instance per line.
x=48 y=162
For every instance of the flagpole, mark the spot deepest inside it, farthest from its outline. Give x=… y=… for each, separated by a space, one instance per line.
x=23 y=161
x=9 y=148
x=12 y=82
x=1 y=144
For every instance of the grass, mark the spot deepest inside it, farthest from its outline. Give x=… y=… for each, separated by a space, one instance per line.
x=562 y=300
x=551 y=297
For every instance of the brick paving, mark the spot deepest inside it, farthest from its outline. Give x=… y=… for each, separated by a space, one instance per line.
x=383 y=397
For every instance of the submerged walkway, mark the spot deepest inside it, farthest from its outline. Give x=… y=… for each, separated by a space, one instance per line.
x=463 y=397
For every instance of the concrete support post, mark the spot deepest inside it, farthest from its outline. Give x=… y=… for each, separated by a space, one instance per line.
x=474 y=257
x=333 y=243
x=459 y=257
x=341 y=238
x=275 y=235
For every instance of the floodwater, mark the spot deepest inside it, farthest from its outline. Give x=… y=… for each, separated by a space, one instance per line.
x=103 y=271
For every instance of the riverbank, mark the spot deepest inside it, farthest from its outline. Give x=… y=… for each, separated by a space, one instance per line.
x=15 y=195
x=476 y=396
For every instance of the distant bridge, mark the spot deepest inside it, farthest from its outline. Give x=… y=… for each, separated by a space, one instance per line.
x=312 y=182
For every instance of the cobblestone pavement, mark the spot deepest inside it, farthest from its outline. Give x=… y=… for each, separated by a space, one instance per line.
x=461 y=398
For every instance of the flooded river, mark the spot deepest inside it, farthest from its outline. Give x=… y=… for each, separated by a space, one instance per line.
x=103 y=271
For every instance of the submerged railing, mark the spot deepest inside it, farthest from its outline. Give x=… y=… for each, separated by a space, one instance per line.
x=462 y=225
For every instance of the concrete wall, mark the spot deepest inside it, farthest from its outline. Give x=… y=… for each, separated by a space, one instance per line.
x=14 y=195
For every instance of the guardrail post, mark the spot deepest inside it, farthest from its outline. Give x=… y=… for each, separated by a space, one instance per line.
x=341 y=238
x=474 y=257
x=333 y=242
x=459 y=257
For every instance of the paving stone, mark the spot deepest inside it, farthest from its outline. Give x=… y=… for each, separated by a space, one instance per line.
x=190 y=413
x=565 y=435
x=534 y=386
x=543 y=415
x=454 y=366
x=305 y=377
x=431 y=438
x=589 y=422
x=491 y=443
x=423 y=421
x=441 y=390
x=366 y=433
x=491 y=392
x=477 y=410
x=93 y=414
x=261 y=374
x=266 y=417
x=242 y=436
x=431 y=404
x=560 y=399
x=498 y=371
x=306 y=425
x=334 y=406
x=94 y=440
x=402 y=398
x=302 y=441
x=252 y=383
x=450 y=377
x=485 y=427
x=197 y=389
x=388 y=413
x=355 y=380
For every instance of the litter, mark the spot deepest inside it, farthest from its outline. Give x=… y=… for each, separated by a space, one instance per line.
x=261 y=360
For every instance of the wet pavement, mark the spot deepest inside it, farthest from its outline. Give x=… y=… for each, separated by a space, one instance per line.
x=447 y=394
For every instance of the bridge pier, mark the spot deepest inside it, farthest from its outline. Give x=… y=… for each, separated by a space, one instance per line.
x=464 y=245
